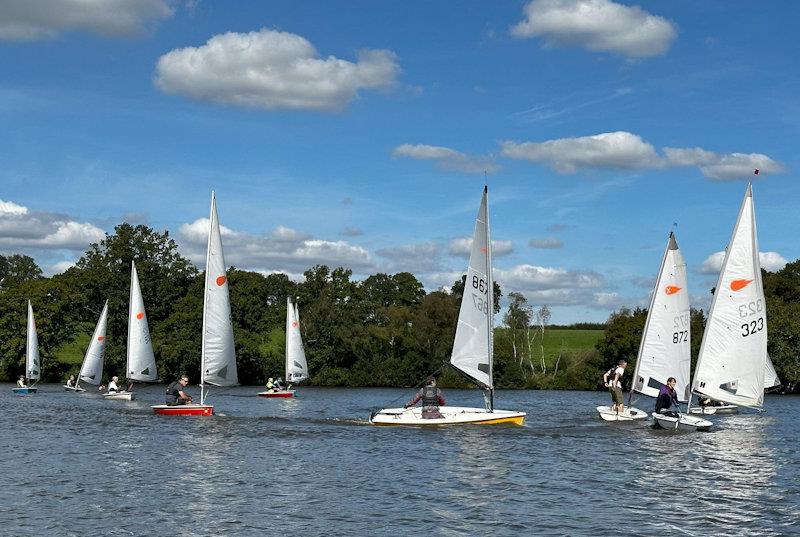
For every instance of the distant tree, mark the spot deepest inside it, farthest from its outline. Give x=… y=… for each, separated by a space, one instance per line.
x=16 y=269
x=622 y=335
x=518 y=319
x=458 y=291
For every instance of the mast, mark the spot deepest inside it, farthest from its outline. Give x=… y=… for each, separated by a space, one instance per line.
x=205 y=300
x=130 y=322
x=490 y=298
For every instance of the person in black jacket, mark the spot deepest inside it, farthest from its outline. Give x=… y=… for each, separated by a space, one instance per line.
x=431 y=397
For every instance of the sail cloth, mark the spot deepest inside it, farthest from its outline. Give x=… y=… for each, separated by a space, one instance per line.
x=92 y=368
x=770 y=375
x=141 y=361
x=219 y=355
x=296 y=365
x=665 y=350
x=733 y=354
x=33 y=364
x=472 y=353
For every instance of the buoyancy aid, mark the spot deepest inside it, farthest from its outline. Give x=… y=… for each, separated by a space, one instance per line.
x=430 y=396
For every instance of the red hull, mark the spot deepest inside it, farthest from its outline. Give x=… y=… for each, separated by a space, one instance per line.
x=277 y=394
x=184 y=410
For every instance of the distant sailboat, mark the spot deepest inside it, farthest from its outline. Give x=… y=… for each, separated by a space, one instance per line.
x=733 y=362
x=33 y=364
x=218 y=355
x=296 y=365
x=472 y=352
x=92 y=368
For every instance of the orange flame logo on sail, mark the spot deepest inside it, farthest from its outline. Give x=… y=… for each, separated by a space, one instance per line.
x=221 y=280
x=294 y=324
x=672 y=289
x=738 y=285
x=140 y=315
x=100 y=338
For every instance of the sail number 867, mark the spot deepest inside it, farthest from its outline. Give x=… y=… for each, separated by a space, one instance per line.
x=748 y=329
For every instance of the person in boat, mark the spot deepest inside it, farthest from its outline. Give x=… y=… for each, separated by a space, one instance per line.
x=278 y=384
x=270 y=384
x=613 y=380
x=112 y=386
x=432 y=398
x=71 y=381
x=21 y=381
x=667 y=397
x=176 y=394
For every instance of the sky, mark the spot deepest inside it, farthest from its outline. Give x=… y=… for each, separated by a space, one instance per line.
x=361 y=133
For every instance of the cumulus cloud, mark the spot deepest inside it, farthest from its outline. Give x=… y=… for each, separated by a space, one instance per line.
x=414 y=258
x=282 y=250
x=549 y=243
x=23 y=229
x=272 y=70
x=448 y=159
x=462 y=246
x=612 y=150
x=597 y=25
x=60 y=267
x=558 y=286
x=623 y=150
x=25 y=20
x=770 y=261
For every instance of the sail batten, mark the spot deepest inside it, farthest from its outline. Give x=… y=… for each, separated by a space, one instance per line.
x=665 y=349
x=141 y=360
x=218 y=361
x=732 y=362
x=472 y=352
x=92 y=368
x=296 y=364
x=33 y=363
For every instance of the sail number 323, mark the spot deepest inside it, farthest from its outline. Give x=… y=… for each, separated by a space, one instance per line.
x=746 y=310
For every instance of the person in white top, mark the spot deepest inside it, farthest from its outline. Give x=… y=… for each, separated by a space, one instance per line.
x=613 y=381
x=112 y=386
x=21 y=381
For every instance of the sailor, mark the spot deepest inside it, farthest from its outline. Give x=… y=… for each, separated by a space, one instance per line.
x=176 y=394
x=21 y=381
x=278 y=384
x=432 y=398
x=71 y=381
x=667 y=396
x=112 y=386
x=270 y=384
x=613 y=380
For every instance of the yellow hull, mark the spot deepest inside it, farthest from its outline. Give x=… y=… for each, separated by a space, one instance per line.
x=513 y=418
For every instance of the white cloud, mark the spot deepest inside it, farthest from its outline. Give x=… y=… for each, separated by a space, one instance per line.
x=31 y=230
x=24 y=20
x=282 y=250
x=414 y=258
x=272 y=70
x=722 y=167
x=615 y=150
x=557 y=286
x=462 y=246
x=448 y=159
x=597 y=25
x=770 y=261
x=548 y=243
x=61 y=266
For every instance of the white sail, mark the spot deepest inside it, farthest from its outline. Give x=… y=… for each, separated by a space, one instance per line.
x=770 y=375
x=733 y=354
x=33 y=364
x=664 y=350
x=218 y=353
x=141 y=361
x=92 y=368
x=296 y=366
x=472 y=352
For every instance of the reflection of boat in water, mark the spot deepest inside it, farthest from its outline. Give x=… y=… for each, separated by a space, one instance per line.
x=472 y=352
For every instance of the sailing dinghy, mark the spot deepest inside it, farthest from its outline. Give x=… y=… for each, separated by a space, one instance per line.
x=92 y=368
x=472 y=348
x=33 y=364
x=218 y=355
x=296 y=365
x=733 y=362
x=771 y=380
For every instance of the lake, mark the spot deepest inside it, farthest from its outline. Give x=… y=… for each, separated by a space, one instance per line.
x=75 y=464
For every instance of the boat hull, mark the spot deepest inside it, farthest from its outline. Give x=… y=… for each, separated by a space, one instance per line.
x=630 y=414
x=73 y=389
x=683 y=422
x=25 y=391
x=278 y=393
x=451 y=415
x=724 y=409
x=120 y=396
x=184 y=410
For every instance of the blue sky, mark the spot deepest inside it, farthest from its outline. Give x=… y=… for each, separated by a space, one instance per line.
x=357 y=134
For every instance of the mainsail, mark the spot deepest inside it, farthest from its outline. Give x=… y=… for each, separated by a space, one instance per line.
x=733 y=354
x=218 y=354
x=33 y=364
x=664 y=350
x=141 y=361
x=92 y=368
x=770 y=375
x=472 y=348
x=296 y=366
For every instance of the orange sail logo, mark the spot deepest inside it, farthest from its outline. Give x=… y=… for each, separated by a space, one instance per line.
x=738 y=285
x=672 y=289
x=221 y=280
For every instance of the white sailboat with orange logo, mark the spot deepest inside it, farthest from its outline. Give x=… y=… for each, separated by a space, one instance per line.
x=296 y=364
x=92 y=368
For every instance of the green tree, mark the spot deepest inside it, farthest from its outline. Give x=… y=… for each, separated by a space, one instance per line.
x=16 y=269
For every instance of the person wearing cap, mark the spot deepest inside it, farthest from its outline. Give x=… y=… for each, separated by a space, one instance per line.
x=112 y=386
x=432 y=398
x=175 y=392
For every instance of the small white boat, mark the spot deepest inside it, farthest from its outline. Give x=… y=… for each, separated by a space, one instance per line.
x=120 y=396
x=718 y=409
x=684 y=422
x=629 y=414
x=33 y=363
x=451 y=415
x=92 y=368
x=76 y=389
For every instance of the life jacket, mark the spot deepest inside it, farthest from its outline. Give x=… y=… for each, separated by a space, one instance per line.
x=610 y=375
x=172 y=391
x=430 y=396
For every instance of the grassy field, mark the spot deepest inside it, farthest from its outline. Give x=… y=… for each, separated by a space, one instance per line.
x=72 y=351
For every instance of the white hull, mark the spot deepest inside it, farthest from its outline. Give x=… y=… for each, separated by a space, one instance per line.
x=73 y=389
x=724 y=409
x=685 y=422
x=122 y=396
x=629 y=414
x=451 y=415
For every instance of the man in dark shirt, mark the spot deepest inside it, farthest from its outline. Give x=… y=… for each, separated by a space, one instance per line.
x=666 y=398
x=431 y=397
x=176 y=394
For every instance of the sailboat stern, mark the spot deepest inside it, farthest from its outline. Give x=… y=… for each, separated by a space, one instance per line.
x=184 y=410
x=451 y=415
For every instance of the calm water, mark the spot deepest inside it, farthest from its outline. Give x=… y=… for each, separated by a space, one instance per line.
x=74 y=464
